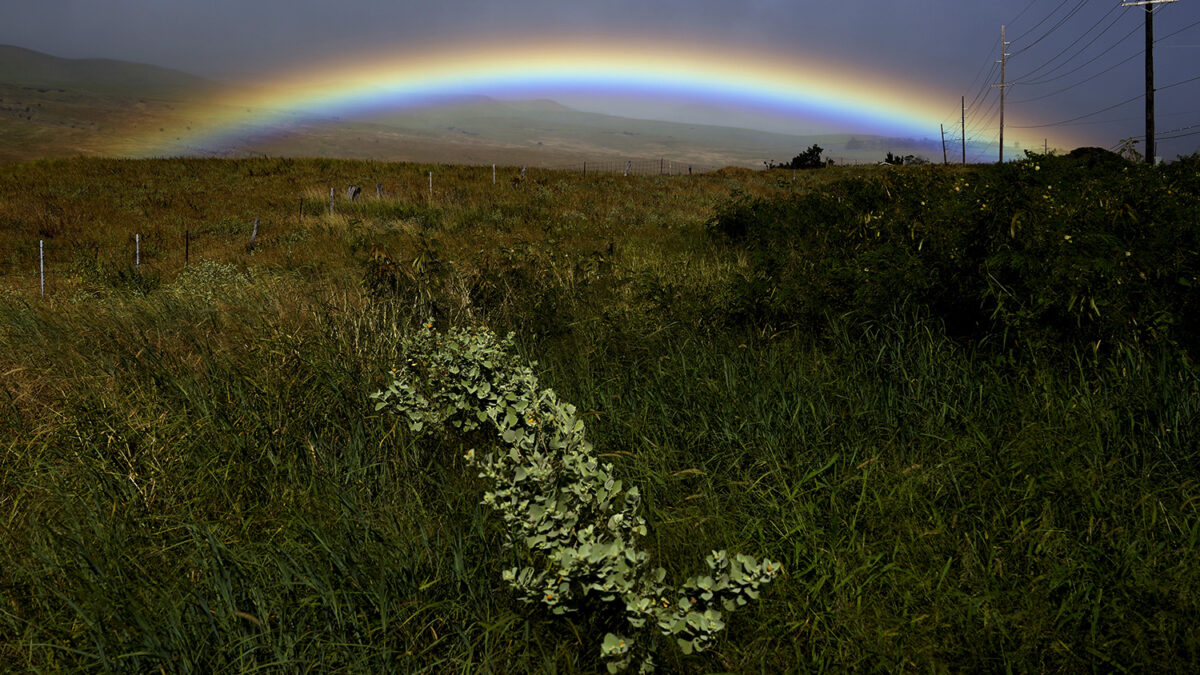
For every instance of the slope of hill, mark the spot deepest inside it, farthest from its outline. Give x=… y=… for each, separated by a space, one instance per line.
x=28 y=67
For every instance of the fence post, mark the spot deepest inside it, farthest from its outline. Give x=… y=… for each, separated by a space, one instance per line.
x=254 y=233
x=379 y=190
x=493 y=174
x=42 y=266
x=137 y=251
x=430 y=187
x=331 y=201
x=585 y=168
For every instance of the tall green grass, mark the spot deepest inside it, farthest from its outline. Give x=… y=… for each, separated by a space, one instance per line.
x=192 y=476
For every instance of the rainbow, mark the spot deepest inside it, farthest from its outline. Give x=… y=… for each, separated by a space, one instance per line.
x=813 y=91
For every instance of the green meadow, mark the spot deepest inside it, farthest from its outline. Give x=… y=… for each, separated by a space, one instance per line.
x=960 y=405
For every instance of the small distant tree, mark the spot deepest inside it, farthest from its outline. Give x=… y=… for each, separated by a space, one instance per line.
x=898 y=160
x=809 y=159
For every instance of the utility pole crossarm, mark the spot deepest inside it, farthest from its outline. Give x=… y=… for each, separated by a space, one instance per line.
x=1146 y=2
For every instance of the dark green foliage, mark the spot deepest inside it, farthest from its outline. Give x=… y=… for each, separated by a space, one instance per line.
x=809 y=159
x=1093 y=160
x=1046 y=253
x=900 y=160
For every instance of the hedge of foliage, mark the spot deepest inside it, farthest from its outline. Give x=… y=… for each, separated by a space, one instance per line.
x=1043 y=253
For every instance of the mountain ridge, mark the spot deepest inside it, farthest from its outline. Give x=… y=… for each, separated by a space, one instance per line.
x=19 y=65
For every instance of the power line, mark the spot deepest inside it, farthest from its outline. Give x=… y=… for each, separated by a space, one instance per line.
x=986 y=90
x=1075 y=42
x=1171 y=131
x=1190 y=25
x=1171 y=138
x=1044 y=19
x=984 y=66
x=1031 y=3
x=981 y=128
x=1088 y=79
x=982 y=124
x=1097 y=112
x=1053 y=28
x=1090 y=61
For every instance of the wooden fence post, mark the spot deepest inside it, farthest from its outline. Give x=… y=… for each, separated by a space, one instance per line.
x=331 y=201
x=42 y=266
x=137 y=251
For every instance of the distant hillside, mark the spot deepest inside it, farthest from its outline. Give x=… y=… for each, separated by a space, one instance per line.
x=28 y=67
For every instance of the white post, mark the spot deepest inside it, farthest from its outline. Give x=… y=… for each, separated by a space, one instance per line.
x=331 y=201
x=431 y=186
x=493 y=174
x=137 y=250
x=42 y=266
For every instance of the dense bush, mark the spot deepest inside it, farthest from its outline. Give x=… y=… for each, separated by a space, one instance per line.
x=1042 y=253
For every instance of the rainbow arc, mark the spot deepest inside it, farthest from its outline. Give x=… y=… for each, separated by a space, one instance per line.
x=830 y=96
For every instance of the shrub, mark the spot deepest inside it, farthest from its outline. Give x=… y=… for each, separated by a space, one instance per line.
x=570 y=519
x=1041 y=254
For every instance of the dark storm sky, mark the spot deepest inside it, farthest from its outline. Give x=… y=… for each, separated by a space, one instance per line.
x=1056 y=46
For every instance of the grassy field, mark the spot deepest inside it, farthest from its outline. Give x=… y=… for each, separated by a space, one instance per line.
x=193 y=477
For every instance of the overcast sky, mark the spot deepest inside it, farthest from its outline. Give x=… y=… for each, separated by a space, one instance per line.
x=950 y=43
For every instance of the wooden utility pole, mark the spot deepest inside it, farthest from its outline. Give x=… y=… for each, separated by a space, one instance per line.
x=1149 y=5
x=964 y=130
x=943 y=128
x=1003 y=85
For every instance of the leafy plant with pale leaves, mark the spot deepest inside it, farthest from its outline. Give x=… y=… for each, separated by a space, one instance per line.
x=575 y=522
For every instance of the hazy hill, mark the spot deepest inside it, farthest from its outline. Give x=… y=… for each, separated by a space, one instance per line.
x=25 y=66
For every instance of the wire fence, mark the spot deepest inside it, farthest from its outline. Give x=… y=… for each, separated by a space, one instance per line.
x=668 y=167
x=46 y=266
x=638 y=167
x=44 y=263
